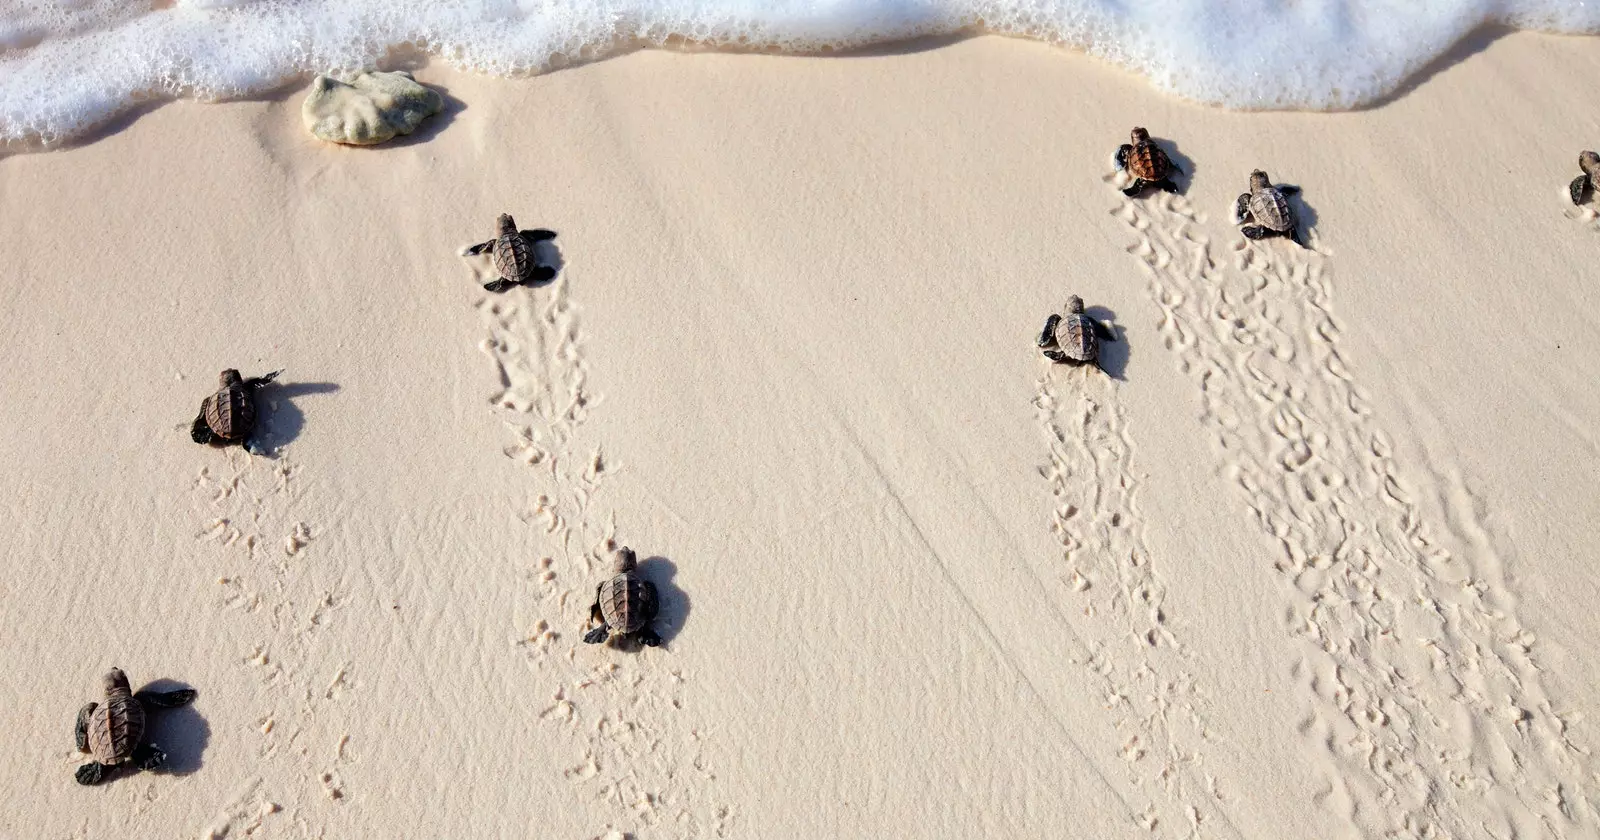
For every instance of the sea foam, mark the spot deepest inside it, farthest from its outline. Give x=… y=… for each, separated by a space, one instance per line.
x=66 y=65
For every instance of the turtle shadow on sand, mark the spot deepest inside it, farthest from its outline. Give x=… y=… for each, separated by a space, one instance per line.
x=1184 y=166
x=181 y=733
x=671 y=613
x=1113 y=355
x=1305 y=216
x=280 y=420
x=548 y=255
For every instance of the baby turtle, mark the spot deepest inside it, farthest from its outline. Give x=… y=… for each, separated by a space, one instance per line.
x=1264 y=210
x=514 y=255
x=1075 y=339
x=229 y=416
x=1147 y=163
x=113 y=731
x=625 y=604
x=1589 y=162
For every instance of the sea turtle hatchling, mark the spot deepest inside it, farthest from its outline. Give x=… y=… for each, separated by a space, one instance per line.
x=1074 y=339
x=1264 y=210
x=625 y=604
x=514 y=255
x=229 y=416
x=113 y=731
x=1147 y=163
x=1589 y=181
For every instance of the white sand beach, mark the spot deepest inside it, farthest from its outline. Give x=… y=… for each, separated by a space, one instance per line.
x=1314 y=562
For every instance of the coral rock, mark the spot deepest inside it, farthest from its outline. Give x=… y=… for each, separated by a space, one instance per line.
x=372 y=108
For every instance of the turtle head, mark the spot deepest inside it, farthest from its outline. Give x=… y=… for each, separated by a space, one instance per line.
x=1589 y=162
x=229 y=378
x=507 y=224
x=116 y=680
x=1258 y=180
x=1074 y=305
x=1140 y=136
x=627 y=561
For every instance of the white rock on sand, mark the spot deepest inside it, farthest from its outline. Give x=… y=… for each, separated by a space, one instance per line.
x=371 y=109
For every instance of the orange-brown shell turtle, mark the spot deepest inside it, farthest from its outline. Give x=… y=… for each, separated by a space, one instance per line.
x=113 y=732
x=625 y=604
x=1147 y=163
x=228 y=417
x=515 y=257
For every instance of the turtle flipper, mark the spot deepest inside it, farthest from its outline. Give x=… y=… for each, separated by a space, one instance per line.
x=648 y=637
x=1100 y=329
x=1286 y=189
x=1577 y=188
x=498 y=286
x=597 y=635
x=166 y=699
x=1256 y=232
x=148 y=757
x=259 y=381
x=1057 y=356
x=1293 y=235
x=1136 y=188
x=538 y=235
x=478 y=248
x=92 y=773
x=1166 y=184
x=1047 y=338
x=1120 y=159
x=1241 y=209
x=81 y=731
x=200 y=432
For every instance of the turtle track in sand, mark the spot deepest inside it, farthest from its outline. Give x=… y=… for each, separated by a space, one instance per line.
x=1423 y=691
x=634 y=746
x=1111 y=575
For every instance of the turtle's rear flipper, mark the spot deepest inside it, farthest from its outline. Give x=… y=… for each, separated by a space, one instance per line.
x=92 y=773
x=147 y=757
x=597 y=635
x=1057 y=356
x=166 y=699
x=200 y=432
x=1579 y=186
x=1166 y=184
x=478 y=249
x=538 y=235
x=498 y=286
x=1255 y=232
x=1133 y=191
x=648 y=638
x=81 y=731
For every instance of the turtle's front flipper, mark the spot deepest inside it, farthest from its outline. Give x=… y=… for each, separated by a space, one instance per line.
x=1256 y=232
x=648 y=637
x=254 y=447
x=1174 y=167
x=1121 y=157
x=81 y=731
x=147 y=757
x=478 y=248
x=1047 y=338
x=259 y=381
x=538 y=235
x=1287 y=190
x=1294 y=236
x=166 y=699
x=498 y=286
x=1577 y=188
x=1105 y=332
x=92 y=773
x=1137 y=187
x=1241 y=209
x=200 y=432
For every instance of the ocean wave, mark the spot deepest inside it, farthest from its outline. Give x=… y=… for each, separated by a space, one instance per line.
x=66 y=65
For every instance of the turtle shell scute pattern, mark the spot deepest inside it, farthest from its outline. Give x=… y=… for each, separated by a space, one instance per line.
x=513 y=258
x=115 y=728
x=1075 y=336
x=1271 y=209
x=1147 y=162
x=231 y=413
x=627 y=603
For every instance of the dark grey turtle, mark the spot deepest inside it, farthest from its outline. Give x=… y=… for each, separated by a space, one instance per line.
x=1586 y=183
x=625 y=604
x=1147 y=163
x=1074 y=339
x=1264 y=210
x=113 y=731
x=229 y=416
x=515 y=256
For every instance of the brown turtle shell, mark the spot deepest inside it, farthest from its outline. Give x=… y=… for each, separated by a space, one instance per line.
x=116 y=726
x=1271 y=210
x=1076 y=338
x=231 y=412
x=627 y=602
x=1147 y=162
x=513 y=257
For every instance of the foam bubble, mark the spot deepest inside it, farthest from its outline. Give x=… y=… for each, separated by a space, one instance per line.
x=68 y=64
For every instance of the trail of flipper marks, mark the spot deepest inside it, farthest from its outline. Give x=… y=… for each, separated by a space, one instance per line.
x=633 y=744
x=1133 y=647
x=1424 y=689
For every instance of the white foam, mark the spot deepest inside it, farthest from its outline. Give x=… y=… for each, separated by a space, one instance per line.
x=69 y=64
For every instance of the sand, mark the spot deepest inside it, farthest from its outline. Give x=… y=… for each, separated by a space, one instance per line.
x=1315 y=564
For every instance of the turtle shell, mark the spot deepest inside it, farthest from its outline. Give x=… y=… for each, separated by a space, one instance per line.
x=513 y=258
x=627 y=602
x=1271 y=210
x=116 y=727
x=1147 y=162
x=1076 y=338
x=231 y=412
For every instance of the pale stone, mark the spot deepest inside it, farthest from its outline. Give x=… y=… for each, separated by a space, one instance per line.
x=372 y=108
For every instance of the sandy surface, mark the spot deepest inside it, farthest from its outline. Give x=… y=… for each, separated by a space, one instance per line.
x=1317 y=565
